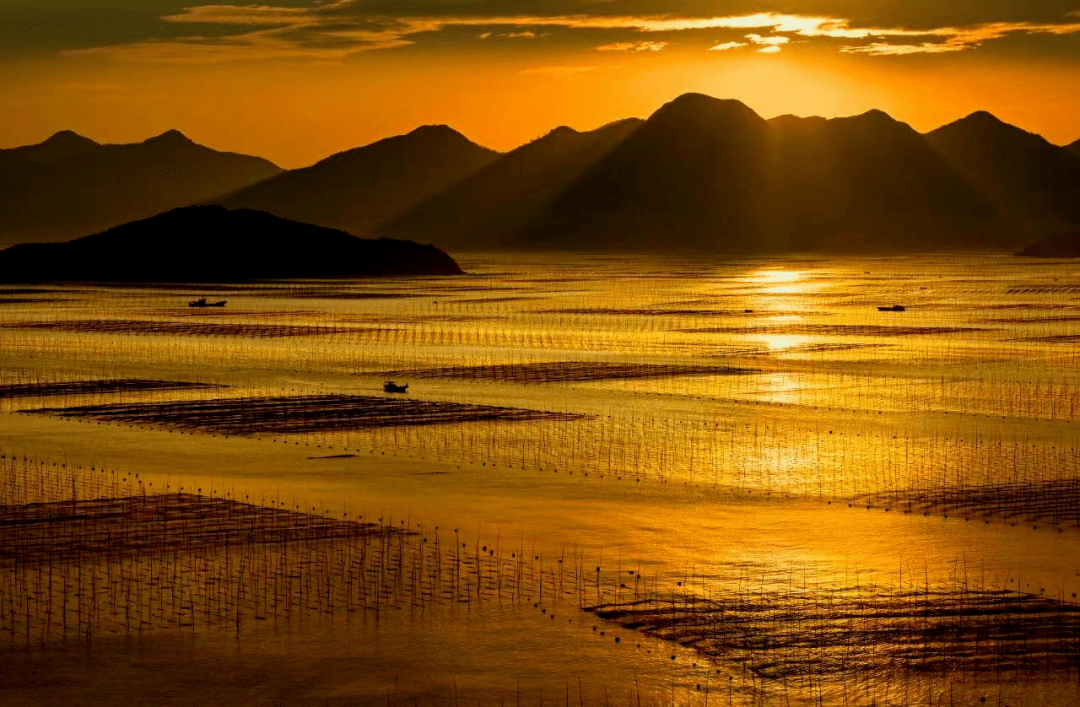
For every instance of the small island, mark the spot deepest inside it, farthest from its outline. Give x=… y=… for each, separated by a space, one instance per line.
x=1059 y=245
x=214 y=244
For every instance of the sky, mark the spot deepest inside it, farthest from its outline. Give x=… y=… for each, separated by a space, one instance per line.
x=297 y=80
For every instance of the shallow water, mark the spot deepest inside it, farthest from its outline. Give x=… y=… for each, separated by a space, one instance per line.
x=655 y=464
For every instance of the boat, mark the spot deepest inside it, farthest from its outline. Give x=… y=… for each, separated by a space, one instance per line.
x=201 y=302
x=392 y=387
x=894 y=308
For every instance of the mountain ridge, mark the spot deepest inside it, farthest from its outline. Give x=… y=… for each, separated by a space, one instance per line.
x=355 y=190
x=700 y=173
x=69 y=185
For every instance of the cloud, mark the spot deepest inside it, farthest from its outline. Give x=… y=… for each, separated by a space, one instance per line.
x=557 y=71
x=771 y=49
x=758 y=39
x=726 y=46
x=334 y=30
x=633 y=47
x=954 y=39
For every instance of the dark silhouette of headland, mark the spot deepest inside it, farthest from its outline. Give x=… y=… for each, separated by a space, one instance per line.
x=214 y=244
x=1058 y=245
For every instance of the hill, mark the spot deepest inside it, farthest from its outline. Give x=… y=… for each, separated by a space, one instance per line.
x=1031 y=181
x=361 y=188
x=60 y=146
x=709 y=174
x=1074 y=148
x=693 y=175
x=867 y=182
x=1058 y=245
x=69 y=185
x=214 y=244
x=489 y=207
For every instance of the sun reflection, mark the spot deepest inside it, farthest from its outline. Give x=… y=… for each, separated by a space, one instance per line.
x=779 y=342
x=776 y=276
x=780 y=282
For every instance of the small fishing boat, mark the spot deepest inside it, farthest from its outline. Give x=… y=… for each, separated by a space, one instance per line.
x=392 y=387
x=894 y=308
x=201 y=302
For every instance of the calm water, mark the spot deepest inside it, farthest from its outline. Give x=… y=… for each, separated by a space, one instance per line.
x=734 y=426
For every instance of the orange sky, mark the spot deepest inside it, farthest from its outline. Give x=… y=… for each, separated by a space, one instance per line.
x=290 y=83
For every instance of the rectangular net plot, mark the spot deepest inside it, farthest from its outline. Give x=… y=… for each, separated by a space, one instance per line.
x=807 y=633
x=569 y=372
x=138 y=326
x=91 y=387
x=838 y=330
x=300 y=414
x=1054 y=502
x=69 y=530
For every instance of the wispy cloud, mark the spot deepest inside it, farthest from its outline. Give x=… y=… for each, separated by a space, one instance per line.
x=959 y=39
x=557 y=71
x=726 y=46
x=337 y=29
x=633 y=47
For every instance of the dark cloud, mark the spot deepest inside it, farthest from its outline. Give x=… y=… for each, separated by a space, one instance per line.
x=256 y=30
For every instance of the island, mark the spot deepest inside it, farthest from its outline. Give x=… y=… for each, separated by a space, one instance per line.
x=1058 y=245
x=215 y=244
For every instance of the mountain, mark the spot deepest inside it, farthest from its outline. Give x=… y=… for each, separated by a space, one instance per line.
x=489 y=207
x=693 y=175
x=69 y=185
x=214 y=244
x=867 y=181
x=709 y=174
x=60 y=146
x=1031 y=181
x=1074 y=148
x=359 y=189
x=1057 y=245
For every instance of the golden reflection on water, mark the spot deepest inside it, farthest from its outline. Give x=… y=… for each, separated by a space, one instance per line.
x=742 y=477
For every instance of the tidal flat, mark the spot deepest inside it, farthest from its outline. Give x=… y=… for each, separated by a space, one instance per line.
x=613 y=480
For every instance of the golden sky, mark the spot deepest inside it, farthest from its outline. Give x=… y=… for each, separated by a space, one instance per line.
x=296 y=80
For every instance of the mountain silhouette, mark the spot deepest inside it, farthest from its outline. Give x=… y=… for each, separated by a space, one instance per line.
x=214 y=244
x=692 y=175
x=69 y=185
x=358 y=189
x=700 y=174
x=1032 y=182
x=867 y=181
x=1057 y=245
x=708 y=174
x=489 y=207
x=60 y=146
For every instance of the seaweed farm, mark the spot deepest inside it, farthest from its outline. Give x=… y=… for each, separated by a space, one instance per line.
x=609 y=481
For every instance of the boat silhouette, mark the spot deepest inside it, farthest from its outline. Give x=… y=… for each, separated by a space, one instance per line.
x=894 y=308
x=392 y=387
x=201 y=302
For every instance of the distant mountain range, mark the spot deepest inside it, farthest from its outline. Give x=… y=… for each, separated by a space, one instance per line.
x=214 y=244
x=359 y=189
x=700 y=173
x=70 y=186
